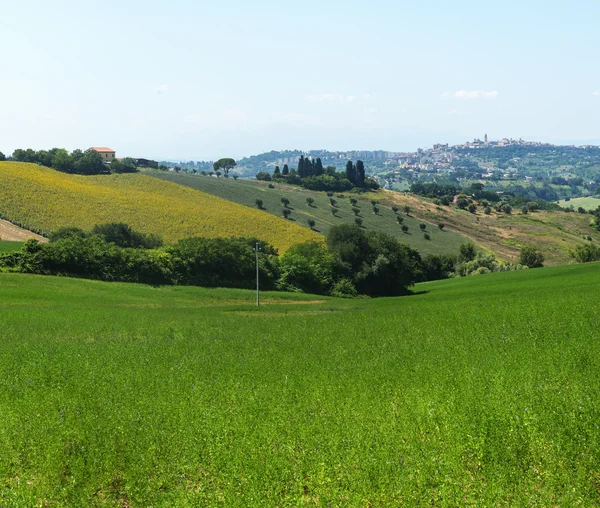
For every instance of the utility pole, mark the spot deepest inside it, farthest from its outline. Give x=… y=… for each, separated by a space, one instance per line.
x=257 y=248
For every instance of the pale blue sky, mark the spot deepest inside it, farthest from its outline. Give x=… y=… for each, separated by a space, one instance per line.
x=199 y=80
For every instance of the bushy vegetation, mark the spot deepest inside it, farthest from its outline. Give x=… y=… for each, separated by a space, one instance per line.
x=373 y=264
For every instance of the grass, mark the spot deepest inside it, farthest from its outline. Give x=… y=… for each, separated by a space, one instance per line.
x=481 y=391
x=7 y=246
x=247 y=191
x=555 y=234
x=42 y=199
x=589 y=203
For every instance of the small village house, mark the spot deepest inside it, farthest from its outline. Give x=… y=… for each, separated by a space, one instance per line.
x=108 y=154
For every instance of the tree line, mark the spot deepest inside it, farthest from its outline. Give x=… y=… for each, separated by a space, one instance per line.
x=88 y=162
x=351 y=262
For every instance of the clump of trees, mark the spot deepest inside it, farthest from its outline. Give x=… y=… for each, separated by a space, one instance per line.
x=89 y=162
x=312 y=175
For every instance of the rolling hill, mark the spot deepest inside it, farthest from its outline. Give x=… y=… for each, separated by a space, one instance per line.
x=555 y=234
x=247 y=191
x=41 y=199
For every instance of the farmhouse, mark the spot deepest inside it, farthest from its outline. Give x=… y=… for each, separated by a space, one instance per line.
x=108 y=154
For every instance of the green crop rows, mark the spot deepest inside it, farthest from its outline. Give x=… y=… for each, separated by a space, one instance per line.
x=479 y=391
x=246 y=192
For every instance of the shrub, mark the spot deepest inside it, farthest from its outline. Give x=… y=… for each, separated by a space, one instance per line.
x=404 y=228
x=285 y=202
x=586 y=253
x=445 y=201
x=235 y=177
x=487 y=210
x=355 y=210
x=441 y=226
x=406 y=210
x=330 y=194
x=333 y=202
x=472 y=208
x=286 y=212
x=353 y=201
x=271 y=186
x=395 y=209
x=307 y=267
x=264 y=176
x=333 y=210
x=358 y=221
x=400 y=219
x=426 y=236
x=531 y=257
x=373 y=202
x=375 y=210
x=423 y=226
x=259 y=203
x=462 y=202
x=311 y=223
x=310 y=201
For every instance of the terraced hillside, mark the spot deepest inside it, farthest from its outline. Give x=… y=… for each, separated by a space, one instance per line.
x=41 y=199
x=247 y=191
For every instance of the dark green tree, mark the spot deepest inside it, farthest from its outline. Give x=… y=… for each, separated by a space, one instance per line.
x=318 y=171
x=224 y=165
x=360 y=174
x=286 y=170
x=531 y=257
x=351 y=172
x=277 y=171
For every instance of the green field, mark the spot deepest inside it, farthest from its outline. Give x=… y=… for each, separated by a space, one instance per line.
x=6 y=246
x=247 y=191
x=482 y=391
x=589 y=203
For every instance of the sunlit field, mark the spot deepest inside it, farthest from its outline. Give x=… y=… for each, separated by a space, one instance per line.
x=477 y=391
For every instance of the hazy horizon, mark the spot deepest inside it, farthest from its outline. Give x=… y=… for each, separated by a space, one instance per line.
x=191 y=81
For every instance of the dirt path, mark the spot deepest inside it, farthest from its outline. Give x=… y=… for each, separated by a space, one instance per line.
x=14 y=233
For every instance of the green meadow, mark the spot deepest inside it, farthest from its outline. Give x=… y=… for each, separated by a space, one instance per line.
x=7 y=246
x=588 y=203
x=246 y=192
x=481 y=391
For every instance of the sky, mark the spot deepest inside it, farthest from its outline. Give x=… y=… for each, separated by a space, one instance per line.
x=200 y=80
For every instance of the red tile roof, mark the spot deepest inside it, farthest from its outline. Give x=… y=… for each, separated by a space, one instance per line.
x=102 y=149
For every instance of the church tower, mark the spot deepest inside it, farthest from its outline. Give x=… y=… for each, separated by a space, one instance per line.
x=486 y=139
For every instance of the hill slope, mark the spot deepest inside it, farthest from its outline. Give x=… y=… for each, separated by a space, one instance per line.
x=42 y=199
x=481 y=391
x=247 y=191
x=553 y=233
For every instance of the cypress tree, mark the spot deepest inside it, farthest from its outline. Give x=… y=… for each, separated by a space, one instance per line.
x=360 y=174
x=301 y=163
x=286 y=170
x=318 y=167
x=277 y=171
x=351 y=172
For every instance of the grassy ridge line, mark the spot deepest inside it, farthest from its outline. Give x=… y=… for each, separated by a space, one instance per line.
x=555 y=234
x=247 y=191
x=44 y=199
x=479 y=391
